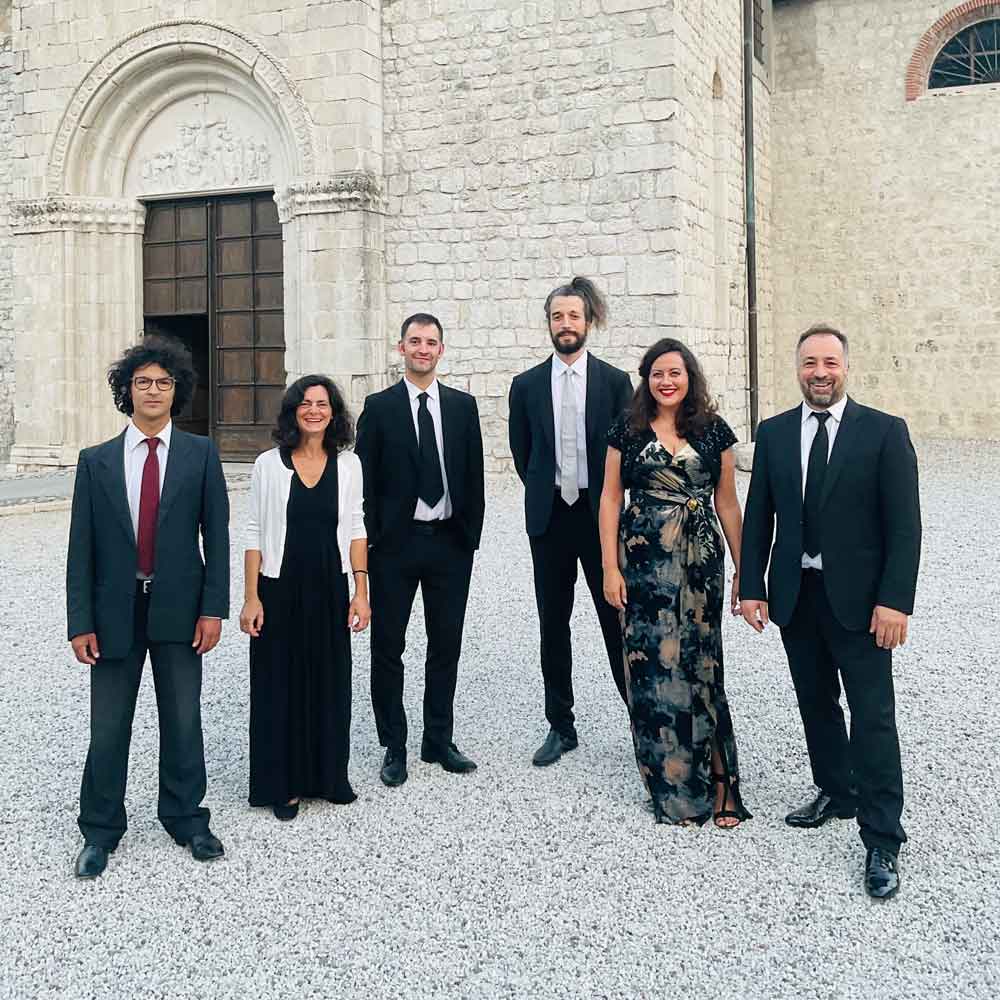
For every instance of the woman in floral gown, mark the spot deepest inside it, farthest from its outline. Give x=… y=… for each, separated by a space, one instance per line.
x=664 y=563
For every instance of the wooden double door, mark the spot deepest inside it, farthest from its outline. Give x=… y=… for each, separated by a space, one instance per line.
x=212 y=278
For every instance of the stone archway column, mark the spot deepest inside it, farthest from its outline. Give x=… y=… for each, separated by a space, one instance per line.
x=77 y=305
x=334 y=282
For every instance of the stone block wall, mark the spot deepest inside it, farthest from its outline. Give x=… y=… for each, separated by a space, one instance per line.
x=528 y=142
x=884 y=213
x=510 y=144
x=7 y=373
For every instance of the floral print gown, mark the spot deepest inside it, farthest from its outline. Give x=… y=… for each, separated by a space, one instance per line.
x=672 y=557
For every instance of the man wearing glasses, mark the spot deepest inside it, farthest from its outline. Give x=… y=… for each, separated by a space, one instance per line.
x=136 y=583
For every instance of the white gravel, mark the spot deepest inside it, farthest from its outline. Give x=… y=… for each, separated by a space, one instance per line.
x=513 y=882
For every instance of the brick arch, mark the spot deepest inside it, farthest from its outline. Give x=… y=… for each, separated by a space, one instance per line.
x=938 y=35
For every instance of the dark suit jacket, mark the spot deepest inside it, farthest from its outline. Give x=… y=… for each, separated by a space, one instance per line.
x=531 y=429
x=387 y=447
x=101 y=562
x=870 y=510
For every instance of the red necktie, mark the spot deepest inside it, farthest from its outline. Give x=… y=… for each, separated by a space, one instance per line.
x=149 y=506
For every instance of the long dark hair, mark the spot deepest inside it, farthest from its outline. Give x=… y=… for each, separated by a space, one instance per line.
x=171 y=355
x=595 y=309
x=697 y=410
x=339 y=433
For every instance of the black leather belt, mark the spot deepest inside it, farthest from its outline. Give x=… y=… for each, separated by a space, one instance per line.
x=431 y=527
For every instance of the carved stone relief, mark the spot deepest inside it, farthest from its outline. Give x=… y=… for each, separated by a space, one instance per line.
x=208 y=143
x=168 y=39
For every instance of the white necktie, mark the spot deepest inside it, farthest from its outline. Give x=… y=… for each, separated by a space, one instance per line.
x=569 y=479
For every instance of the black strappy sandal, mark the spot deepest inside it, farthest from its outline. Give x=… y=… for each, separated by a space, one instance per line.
x=732 y=793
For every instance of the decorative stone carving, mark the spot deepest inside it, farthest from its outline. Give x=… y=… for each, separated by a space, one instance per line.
x=173 y=37
x=353 y=191
x=208 y=155
x=209 y=142
x=104 y=215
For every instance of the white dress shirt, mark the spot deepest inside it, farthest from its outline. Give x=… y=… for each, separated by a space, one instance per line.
x=136 y=452
x=810 y=427
x=442 y=509
x=579 y=378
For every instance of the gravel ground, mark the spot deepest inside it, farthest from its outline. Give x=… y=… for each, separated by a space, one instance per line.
x=513 y=882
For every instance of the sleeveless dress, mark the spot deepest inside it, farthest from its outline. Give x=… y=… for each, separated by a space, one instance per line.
x=672 y=557
x=300 y=665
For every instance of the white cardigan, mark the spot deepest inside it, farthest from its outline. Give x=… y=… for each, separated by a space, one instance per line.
x=270 y=485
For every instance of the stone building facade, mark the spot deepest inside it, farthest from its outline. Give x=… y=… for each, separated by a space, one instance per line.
x=6 y=262
x=279 y=182
x=885 y=195
x=456 y=155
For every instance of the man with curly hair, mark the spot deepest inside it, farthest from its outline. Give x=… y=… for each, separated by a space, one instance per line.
x=136 y=582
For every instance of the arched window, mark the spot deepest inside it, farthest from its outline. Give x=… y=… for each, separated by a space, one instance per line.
x=972 y=56
x=959 y=50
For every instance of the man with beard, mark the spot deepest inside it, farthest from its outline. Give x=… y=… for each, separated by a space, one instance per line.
x=560 y=411
x=840 y=480
x=421 y=453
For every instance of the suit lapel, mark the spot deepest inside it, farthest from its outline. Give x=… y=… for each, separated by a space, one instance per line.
x=113 y=480
x=842 y=445
x=595 y=400
x=449 y=429
x=177 y=461
x=545 y=400
x=791 y=450
x=404 y=417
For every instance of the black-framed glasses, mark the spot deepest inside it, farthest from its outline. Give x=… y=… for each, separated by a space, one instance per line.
x=142 y=383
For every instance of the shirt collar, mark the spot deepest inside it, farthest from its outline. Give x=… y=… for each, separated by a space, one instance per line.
x=579 y=366
x=836 y=411
x=415 y=390
x=134 y=437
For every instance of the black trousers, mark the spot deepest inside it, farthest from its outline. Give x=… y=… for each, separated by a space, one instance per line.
x=570 y=538
x=434 y=559
x=863 y=769
x=114 y=685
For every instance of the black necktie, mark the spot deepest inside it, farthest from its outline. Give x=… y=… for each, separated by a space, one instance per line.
x=430 y=487
x=815 y=474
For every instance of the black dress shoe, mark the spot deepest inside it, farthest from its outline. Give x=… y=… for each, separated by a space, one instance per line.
x=393 y=771
x=817 y=812
x=881 y=874
x=285 y=811
x=91 y=861
x=553 y=748
x=450 y=758
x=204 y=846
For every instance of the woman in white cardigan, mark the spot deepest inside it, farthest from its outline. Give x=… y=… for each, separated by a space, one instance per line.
x=306 y=535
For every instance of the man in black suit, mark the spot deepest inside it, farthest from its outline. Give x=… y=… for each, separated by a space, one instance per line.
x=421 y=452
x=136 y=583
x=560 y=411
x=840 y=479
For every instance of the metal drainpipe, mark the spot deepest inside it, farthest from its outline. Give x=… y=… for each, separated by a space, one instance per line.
x=751 y=216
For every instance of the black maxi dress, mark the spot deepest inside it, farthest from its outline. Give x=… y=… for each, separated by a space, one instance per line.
x=300 y=665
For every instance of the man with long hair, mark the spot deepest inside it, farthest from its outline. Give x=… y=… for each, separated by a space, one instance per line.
x=421 y=452
x=560 y=412
x=136 y=582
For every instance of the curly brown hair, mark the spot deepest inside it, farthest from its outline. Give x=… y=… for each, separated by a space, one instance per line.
x=697 y=409
x=170 y=354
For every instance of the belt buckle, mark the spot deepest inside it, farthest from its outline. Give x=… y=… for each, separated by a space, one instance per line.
x=147 y=586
